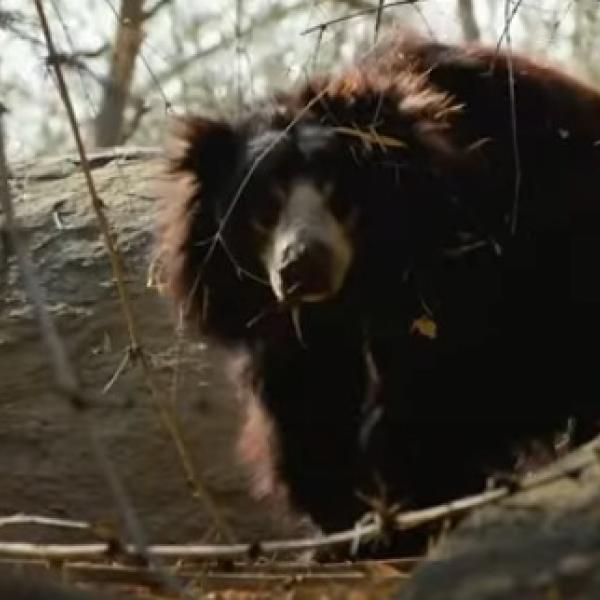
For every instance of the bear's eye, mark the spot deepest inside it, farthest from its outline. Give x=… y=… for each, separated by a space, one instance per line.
x=342 y=206
x=265 y=211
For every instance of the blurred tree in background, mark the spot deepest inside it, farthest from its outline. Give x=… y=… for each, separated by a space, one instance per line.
x=130 y=62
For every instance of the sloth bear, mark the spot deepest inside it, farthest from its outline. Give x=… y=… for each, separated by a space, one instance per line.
x=407 y=257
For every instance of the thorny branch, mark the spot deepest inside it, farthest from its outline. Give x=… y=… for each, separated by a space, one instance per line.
x=136 y=350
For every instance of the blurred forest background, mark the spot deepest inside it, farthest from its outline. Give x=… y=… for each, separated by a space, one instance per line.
x=130 y=62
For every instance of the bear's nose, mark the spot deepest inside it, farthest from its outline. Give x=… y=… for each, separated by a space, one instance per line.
x=305 y=269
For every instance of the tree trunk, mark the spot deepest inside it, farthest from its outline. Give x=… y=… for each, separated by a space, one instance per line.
x=468 y=22
x=109 y=124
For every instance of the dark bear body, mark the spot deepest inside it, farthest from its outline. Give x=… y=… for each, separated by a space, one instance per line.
x=466 y=233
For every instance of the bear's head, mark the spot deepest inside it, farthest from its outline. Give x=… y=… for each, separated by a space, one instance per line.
x=286 y=206
x=274 y=207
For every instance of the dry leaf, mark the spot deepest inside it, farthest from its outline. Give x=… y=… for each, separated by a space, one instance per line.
x=425 y=326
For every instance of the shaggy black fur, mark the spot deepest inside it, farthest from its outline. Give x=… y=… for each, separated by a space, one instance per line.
x=482 y=216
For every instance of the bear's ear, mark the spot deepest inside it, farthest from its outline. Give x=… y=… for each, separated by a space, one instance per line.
x=201 y=158
x=202 y=148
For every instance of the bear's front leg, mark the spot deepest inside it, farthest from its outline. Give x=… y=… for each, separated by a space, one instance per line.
x=314 y=395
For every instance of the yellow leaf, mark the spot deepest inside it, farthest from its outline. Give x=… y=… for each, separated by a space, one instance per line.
x=425 y=326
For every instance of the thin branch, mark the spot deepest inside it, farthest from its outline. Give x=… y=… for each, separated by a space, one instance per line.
x=569 y=467
x=148 y=14
x=141 y=110
x=73 y=59
x=239 y=9
x=378 y=17
x=80 y=66
x=97 y=205
x=318 y=44
x=246 y=578
x=361 y=13
x=13 y=21
x=21 y=519
x=509 y=16
x=136 y=350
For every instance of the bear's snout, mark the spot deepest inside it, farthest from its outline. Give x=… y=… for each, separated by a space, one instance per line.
x=309 y=251
x=305 y=269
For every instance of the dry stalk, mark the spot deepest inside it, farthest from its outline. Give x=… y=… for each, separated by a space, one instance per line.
x=136 y=350
x=372 y=136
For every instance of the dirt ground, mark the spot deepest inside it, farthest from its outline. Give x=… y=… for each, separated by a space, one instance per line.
x=46 y=466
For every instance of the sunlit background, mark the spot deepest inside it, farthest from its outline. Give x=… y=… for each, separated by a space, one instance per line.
x=215 y=56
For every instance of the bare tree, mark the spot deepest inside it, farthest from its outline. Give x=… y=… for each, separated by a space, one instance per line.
x=467 y=19
x=109 y=124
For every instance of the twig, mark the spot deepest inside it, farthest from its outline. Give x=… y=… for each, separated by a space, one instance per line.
x=125 y=361
x=21 y=519
x=73 y=59
x=245 y=577
x=136 y=349
x=361 y=13
x=509 y=16
x=408 y=520
x=378 y=16
x=141 y=109
x=371 y=136
x=318 y=43
x=182 y=551
x=97 y=205
x=150 y=12
x=239 y=9
x=13 y=20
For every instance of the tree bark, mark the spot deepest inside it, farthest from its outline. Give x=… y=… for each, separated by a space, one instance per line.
x=468 y=22
x=109 y=124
